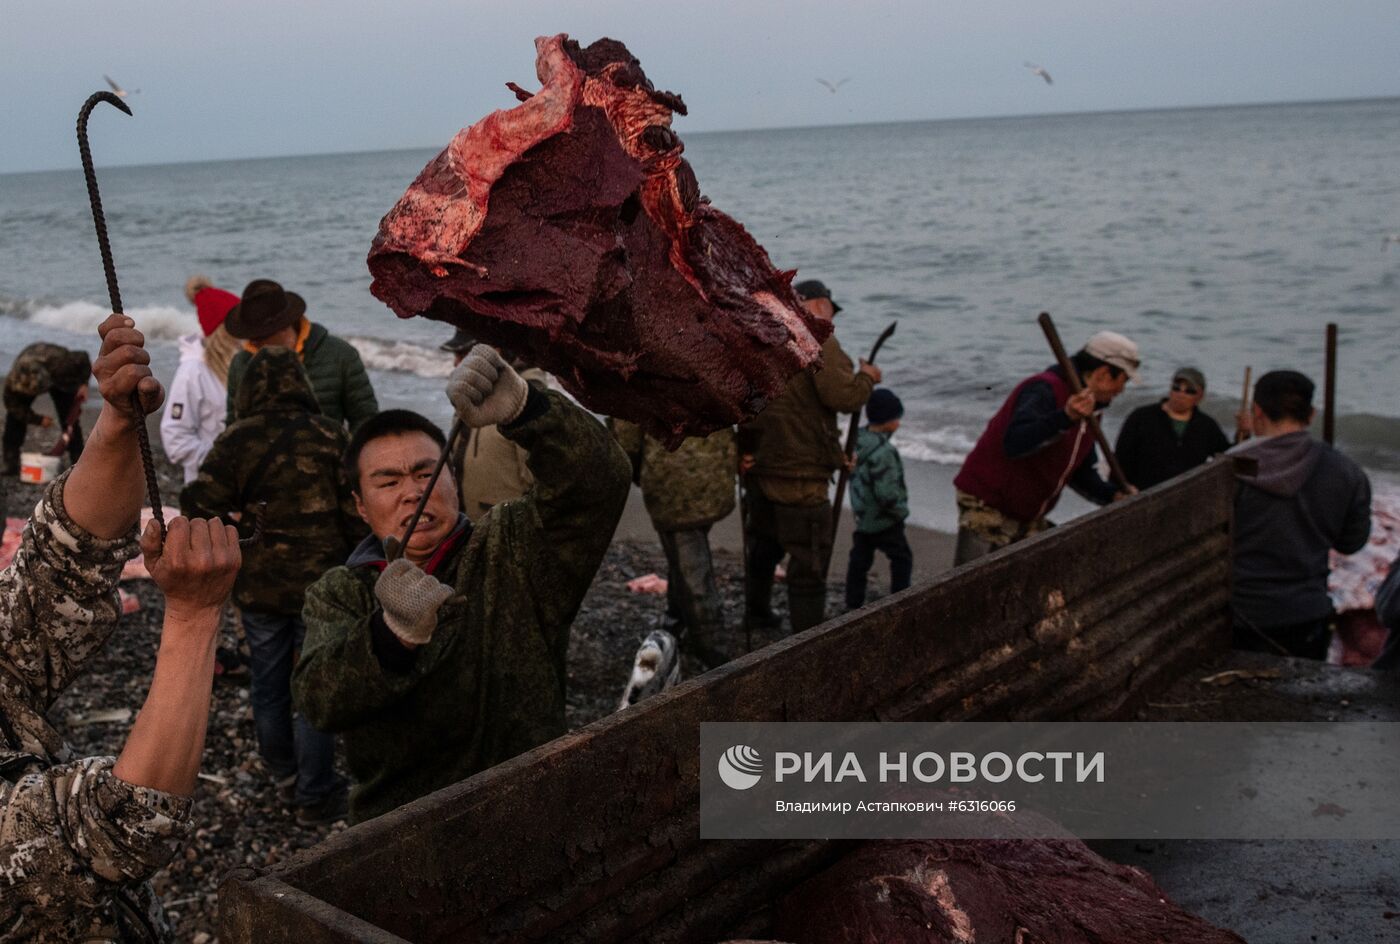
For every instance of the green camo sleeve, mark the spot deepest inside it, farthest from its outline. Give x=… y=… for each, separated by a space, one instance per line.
x=567 y=520
x=338 y=681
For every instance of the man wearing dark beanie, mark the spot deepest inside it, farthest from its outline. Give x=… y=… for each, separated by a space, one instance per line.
x=879 y=499
x=1305 y=500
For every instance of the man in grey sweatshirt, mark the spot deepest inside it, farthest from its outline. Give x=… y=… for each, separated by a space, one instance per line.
x=1306 y=500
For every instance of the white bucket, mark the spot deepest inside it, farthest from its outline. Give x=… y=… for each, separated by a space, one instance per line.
x=37 y=468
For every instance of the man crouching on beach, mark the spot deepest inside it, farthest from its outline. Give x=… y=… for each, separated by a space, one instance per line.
x=80 y=836
x=452 y=658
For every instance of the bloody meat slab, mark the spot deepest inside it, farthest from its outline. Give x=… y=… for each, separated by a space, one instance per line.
x=570 y=231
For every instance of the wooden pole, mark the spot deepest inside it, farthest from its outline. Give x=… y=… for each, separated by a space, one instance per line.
x=1244 y=399
x=1047 y=325
x=744 y=551
x=845 y=474
x=1329 y=396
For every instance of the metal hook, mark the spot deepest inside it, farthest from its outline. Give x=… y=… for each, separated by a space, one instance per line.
x=255 y=535
x=114 y=294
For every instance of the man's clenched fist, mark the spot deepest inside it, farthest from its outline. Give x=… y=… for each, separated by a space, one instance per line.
x=196 y=566
x=122 y=367
x=485 y=390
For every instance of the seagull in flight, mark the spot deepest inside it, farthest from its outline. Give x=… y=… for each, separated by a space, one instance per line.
x=1392 y=238
x=832 y=87
x=1037 y=70
x=118 y=90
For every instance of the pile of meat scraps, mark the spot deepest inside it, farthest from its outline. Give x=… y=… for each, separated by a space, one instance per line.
x=570 y=231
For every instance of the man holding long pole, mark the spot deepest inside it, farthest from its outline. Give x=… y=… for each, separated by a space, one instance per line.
x=787 y=482
x=1041 y=440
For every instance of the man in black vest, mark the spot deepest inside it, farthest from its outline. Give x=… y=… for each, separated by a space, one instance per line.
x=1038 y=443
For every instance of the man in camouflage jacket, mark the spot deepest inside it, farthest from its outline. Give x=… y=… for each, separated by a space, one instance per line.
x=451 y=658
x=686 y=491
x=39 y=369
x=282 y=453
x=80 y=837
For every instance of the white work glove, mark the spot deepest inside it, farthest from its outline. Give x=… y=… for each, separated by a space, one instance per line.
x=410 y=599
x=485 y=390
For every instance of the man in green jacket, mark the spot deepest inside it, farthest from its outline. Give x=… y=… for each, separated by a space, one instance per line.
x=268 y=316
x=798 y=447
x=686 y=491
x=451 y=658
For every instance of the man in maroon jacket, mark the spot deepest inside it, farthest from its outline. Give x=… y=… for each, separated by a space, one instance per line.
x=1035 y=445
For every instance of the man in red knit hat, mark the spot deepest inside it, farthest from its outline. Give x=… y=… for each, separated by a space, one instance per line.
x=1035 y=445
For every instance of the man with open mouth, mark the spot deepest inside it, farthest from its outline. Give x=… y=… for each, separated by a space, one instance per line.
x=451 y=658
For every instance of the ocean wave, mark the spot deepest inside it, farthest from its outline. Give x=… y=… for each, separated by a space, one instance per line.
x=403 y=357
x=944 y=446
x=157 y=322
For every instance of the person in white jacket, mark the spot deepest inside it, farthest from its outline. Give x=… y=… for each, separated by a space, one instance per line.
x=195 y=410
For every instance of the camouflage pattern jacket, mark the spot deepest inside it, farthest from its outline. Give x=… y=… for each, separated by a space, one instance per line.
x=280 y=450
x=490 y=684
x=76 y=844
x=38 y=369
x=690 y=488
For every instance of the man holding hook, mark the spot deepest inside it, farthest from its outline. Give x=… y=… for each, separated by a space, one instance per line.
x=451 y=658
x=80 y=837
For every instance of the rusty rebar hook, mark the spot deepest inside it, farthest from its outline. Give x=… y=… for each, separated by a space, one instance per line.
x=114 y=294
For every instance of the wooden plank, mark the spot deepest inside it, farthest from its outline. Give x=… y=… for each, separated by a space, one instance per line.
x=268 y=911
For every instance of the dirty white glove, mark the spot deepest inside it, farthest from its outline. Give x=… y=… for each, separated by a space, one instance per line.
x=485 y=390
x=410 y=599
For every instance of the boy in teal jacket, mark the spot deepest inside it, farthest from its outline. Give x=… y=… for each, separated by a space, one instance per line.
x=880 y=500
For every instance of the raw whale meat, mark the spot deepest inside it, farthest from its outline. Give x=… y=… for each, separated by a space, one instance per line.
x=960 y=891
x=570 y=231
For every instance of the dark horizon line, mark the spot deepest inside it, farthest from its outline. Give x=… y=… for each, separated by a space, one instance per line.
x=754 y=130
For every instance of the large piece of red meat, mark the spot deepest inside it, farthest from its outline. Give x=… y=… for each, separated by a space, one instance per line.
x=958 y=891
x=570 y=231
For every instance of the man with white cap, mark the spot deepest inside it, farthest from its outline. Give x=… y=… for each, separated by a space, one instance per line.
x=1035 y=445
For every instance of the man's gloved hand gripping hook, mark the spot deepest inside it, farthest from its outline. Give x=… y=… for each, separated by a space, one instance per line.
x=484 y=391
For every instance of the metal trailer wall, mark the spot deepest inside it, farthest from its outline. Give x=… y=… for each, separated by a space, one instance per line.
x=594 y=836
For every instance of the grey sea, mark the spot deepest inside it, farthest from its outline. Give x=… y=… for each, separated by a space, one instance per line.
x=1219 y=237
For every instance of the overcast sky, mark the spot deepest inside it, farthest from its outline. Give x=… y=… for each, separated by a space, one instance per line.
x=223 y=79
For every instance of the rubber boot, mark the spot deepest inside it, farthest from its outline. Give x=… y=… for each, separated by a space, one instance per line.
x=758 y=597
x=806 y=607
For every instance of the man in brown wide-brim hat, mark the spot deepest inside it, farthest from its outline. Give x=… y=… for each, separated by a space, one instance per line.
x=268 y=315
